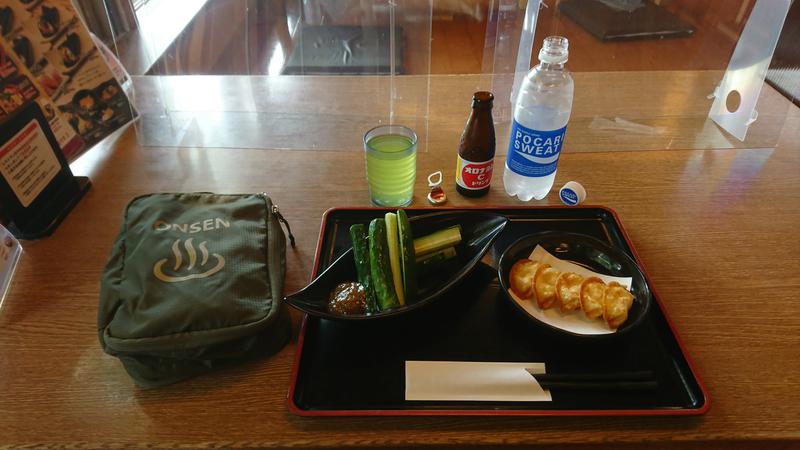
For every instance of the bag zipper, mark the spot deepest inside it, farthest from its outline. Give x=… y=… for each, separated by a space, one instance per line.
x=282 y=220
x=285 y=223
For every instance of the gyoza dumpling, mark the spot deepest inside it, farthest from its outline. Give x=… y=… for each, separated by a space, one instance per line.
x=544 y=285
x=617 y=303
x=568 y=291
x=593 y=293
x=521 y=277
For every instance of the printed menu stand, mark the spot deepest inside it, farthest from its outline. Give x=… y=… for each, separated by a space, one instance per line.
x=37 y=188
x=10 y=254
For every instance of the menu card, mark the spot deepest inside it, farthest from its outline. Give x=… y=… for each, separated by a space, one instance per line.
x=10 y=252
x=48 y=56
x=28 y=164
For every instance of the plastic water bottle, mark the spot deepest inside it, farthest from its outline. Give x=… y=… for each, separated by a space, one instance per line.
x=541 y=113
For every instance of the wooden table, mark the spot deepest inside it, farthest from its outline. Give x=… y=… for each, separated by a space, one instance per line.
x=717 y=230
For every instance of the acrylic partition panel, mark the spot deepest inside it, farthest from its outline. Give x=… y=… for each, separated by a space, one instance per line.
x=274 y=74
x=645 y=72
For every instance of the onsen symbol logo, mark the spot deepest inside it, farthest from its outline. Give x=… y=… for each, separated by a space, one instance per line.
x=176 y=278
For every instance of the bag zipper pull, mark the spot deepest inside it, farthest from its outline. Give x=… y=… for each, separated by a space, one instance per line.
x=284 y=222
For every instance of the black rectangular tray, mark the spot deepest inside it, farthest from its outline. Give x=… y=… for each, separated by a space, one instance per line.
x=359 y=368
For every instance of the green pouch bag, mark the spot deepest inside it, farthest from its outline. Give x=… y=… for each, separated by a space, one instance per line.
x=194 y=282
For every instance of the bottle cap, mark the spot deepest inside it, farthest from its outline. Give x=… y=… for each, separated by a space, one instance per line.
x=436 y=196
x=555 y=50
x=572 y=193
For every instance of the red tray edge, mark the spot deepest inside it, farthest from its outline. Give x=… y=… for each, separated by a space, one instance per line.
x=706 y=397
x=298 y=411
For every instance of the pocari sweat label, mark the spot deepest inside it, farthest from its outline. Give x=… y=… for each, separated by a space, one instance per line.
x=533 y=153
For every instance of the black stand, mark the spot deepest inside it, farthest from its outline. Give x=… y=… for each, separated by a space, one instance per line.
x=53 y=212
x=30 y=154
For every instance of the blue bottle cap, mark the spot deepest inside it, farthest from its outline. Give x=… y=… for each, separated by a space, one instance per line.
x=572 y=193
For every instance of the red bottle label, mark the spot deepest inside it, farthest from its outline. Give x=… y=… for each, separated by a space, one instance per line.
x=473 y=175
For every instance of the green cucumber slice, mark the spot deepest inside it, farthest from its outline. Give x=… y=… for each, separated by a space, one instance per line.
x=436 y=241
x=393 y=244
x=408 y=260
x=360 y=239
x=380 y=267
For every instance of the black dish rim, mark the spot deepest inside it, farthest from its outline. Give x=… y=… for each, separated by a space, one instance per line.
x=617 y=253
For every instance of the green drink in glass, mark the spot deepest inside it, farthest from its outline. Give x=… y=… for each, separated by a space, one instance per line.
x=391 y=153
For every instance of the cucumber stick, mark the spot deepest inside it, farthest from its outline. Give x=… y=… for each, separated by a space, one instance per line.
x=393 y=243
x=380 y=267
x=432 y=262
x=360 y=239
x=408 y=260
x=438 y=256
x=436 y=241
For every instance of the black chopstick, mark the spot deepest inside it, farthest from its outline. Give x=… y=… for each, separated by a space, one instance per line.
x=641 y=375
x=600 y=385
x=616 y=381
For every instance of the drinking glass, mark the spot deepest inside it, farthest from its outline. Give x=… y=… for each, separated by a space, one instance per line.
x=391 y=154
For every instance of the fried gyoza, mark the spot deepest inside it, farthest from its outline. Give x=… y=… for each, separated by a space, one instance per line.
x=568 y=291
x=593 y=293
x=617 y=303
x=521 y=277
x=544 y=285
x=547 y=285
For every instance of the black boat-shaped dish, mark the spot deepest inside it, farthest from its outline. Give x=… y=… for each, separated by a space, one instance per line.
x=478 y=232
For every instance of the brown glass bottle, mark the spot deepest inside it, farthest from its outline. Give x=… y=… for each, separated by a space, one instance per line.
x=475 y=161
